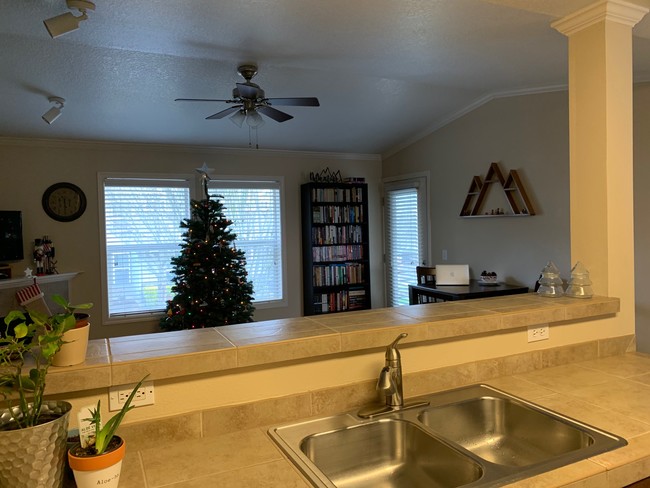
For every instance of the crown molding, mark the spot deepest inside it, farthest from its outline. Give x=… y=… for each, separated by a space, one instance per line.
x=134 y=146
x=618 y=11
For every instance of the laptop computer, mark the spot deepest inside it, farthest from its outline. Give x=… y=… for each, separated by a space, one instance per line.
x=452 y=274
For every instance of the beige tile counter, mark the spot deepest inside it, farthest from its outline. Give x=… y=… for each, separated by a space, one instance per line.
x=611 y=393
x=124 y=360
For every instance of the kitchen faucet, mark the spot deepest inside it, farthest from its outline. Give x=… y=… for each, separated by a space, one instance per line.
x=390 y=384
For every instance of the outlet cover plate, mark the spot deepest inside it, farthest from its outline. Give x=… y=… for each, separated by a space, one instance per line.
x=117 y=395
x=538 y=333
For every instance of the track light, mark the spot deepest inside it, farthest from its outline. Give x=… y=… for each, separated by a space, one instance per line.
x=55 y=112
x=64 y=23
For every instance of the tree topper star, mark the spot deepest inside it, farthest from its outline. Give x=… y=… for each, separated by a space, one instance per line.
x=205 y=177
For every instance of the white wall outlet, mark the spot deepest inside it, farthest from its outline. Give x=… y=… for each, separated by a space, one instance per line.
x=117 y=395
x=538 y=333
x=444 y=255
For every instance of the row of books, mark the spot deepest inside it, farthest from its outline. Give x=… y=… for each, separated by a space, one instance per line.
x=354 y=299
x=351 y=252
x=340 y=195
x=336 y=234
x=333 y=214
x=338 y=274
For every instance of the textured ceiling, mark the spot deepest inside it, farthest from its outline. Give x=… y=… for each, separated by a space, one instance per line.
x=385 y=71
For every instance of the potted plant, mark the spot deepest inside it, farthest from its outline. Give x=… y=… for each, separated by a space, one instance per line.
x=33 y=431
x=99 y=462
x=75 y=340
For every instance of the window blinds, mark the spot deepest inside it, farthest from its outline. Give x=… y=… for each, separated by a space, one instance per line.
x=254 y=208
x=402 y=243
x=142 y=234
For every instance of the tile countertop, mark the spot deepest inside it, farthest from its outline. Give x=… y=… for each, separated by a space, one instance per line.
x=611 y=393
x=124 y=360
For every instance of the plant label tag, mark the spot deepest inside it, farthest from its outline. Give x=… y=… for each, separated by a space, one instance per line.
x=86 y=427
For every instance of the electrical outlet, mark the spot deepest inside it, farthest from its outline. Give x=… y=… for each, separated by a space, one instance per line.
x=444 y=255
x=538 y=333
x=117 y=395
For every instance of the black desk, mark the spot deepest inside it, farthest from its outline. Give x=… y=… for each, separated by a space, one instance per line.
x=463 y=292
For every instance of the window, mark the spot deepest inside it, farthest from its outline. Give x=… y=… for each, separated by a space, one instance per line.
x=141 y=233
x=255 y=210
x=406 y=236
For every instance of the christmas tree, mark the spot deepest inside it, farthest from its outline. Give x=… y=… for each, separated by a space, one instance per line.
x=210 y=284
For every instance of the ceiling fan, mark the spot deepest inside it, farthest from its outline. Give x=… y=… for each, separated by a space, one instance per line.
x=249 y=101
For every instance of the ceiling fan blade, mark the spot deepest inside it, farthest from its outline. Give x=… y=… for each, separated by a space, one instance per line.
x=200 y=100
x=295 y=102
x=224 y=113
x=275 y=114
x=248 y=91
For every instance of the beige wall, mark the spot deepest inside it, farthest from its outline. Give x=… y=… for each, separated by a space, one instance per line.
x=527 y=133
x=641 y=208
x=30 y=166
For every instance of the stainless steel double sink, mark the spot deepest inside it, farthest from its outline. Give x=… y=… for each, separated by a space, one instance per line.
x=475 y=436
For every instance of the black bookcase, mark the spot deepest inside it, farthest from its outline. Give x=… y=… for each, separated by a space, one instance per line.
x=335 y=250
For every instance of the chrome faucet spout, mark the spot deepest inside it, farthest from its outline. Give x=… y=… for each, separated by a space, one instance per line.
x=390 y=384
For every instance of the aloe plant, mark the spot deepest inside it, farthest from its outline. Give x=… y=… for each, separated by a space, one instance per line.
x=26 y=354
x=103 y=435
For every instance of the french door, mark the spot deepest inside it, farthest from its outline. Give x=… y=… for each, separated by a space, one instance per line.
x=406 y=235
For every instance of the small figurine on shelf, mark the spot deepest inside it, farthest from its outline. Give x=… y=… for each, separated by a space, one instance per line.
x=39 y=256
x=550 y=283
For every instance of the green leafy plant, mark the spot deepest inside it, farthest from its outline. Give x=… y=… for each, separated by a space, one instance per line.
x=103 y=435
x=26 y=350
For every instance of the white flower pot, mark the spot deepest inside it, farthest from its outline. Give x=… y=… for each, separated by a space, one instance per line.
x=102 y=470
x=73 y=350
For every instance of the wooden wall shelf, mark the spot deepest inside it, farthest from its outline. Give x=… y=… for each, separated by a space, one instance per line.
x=512 y=187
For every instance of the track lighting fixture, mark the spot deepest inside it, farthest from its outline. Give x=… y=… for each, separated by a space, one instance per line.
x=55 y=112
x=64 y=23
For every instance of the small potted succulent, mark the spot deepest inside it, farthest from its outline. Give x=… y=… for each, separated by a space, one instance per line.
x=33 y=431
x=98 y=461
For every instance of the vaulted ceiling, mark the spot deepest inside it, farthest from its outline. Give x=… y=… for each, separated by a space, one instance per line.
x=385 y=71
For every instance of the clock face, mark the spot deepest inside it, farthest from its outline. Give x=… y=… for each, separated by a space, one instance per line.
x=64 y=202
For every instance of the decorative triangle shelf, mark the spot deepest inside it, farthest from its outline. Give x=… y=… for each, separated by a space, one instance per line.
x=512 y=186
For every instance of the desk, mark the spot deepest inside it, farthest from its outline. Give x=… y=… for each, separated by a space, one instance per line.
x=463 y=292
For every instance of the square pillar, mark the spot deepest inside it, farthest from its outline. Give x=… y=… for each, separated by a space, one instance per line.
x=601 y=158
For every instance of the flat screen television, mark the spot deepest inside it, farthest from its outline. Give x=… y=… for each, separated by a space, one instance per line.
x=11 y=235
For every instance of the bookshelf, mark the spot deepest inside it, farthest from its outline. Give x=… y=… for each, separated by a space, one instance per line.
x=336 y=271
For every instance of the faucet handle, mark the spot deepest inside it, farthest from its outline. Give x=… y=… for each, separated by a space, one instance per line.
x=392 y=353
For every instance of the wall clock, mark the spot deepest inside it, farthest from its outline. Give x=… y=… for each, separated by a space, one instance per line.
x=64 y=202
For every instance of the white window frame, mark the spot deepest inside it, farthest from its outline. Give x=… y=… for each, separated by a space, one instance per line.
x=248 y=181
x=185 y=180
x=421 y=182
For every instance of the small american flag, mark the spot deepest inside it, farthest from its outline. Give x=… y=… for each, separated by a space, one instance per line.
x=33 y=296
x=29 y=294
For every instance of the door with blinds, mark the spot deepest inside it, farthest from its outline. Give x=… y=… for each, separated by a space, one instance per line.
x=406 y=235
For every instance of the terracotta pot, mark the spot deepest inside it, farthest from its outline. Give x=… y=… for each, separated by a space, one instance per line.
x=73 y=351
x=102 y=470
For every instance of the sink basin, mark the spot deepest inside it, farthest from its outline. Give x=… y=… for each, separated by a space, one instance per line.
x=388 y=453
x=502 y=431
x=476 y=436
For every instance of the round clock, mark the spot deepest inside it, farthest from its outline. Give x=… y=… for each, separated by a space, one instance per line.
x=64 y=202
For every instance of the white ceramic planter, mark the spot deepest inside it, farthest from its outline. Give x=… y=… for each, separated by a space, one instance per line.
x=73 y=351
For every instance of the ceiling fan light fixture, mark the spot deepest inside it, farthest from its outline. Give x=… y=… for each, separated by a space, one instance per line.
x=55 y=112
x=254 y=119
x=64 y=23
x=238 y=118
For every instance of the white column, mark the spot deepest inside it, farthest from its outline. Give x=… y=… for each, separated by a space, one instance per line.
x=600 y=135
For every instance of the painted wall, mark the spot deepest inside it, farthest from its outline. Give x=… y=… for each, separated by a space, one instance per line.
x=641 y=209
x=30 y=166
x=527 y=133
